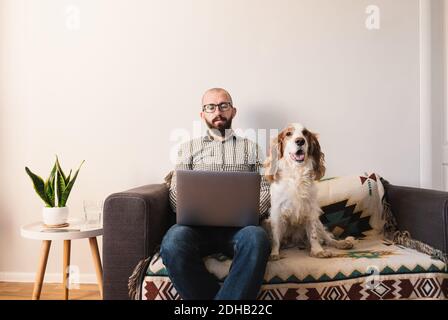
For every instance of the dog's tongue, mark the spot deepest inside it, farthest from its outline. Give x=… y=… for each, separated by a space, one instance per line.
x=298 y=157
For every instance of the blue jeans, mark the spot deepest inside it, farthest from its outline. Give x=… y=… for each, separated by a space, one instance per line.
x=183 y=248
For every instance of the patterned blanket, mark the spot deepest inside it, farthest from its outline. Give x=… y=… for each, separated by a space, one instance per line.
x=375 y=269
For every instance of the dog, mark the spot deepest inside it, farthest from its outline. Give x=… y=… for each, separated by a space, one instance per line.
x=294 y=164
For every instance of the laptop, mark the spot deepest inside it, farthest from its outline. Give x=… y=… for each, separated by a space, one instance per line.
x=217 y=198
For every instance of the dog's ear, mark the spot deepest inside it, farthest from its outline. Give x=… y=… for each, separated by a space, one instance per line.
x=317 y=156
x=275 y=154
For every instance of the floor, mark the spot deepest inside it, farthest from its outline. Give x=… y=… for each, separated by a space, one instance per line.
x=50 y=291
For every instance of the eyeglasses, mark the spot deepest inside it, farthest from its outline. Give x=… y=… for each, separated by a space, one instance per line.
x=223 y=106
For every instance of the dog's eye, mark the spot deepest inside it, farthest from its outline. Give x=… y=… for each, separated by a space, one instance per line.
x=289 y=133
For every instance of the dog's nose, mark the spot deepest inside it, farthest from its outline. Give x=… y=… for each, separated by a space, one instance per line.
x=300 y=142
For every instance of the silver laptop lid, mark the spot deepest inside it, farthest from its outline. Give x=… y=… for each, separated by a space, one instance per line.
x=217 y=198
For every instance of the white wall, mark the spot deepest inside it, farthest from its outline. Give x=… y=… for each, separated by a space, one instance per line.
x=113 y=91
x=432 y=95
x=444 y=100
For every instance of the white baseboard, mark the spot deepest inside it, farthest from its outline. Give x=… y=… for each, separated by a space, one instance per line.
x=49 y=277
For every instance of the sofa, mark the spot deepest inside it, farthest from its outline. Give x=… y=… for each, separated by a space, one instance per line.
x=400 y=251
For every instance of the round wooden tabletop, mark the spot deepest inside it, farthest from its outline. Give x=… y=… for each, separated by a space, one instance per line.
x=77 y=229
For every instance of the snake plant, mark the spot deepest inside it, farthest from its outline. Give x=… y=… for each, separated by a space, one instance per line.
x=57 y=185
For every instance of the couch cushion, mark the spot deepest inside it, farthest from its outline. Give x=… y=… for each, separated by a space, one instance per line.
x=352 y=205
x=374 y=269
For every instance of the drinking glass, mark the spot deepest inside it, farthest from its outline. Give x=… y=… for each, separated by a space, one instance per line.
x=93 y=212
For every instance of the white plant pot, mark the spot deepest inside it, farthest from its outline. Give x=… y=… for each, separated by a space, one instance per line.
x=55 y=216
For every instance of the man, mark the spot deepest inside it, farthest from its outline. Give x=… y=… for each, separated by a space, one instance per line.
x=184 y=247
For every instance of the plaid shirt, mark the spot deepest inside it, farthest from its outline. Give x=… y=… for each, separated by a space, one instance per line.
x=230 y=154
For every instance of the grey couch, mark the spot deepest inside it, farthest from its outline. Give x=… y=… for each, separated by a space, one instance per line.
x=136 y=220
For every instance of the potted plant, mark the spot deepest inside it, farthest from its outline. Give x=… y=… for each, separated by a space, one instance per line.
x=56 y=188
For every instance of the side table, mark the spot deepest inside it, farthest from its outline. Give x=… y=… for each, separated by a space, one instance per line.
x=75 y=230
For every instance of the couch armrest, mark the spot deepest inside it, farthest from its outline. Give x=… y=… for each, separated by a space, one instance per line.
x=134 y=224
x=422 y=212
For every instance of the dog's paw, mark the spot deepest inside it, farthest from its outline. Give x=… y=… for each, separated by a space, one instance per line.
x=351 y=239
x=274 y=257
x=347 y=243
x=321 y=254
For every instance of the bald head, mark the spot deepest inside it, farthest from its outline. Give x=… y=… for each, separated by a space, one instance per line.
x=214 y=94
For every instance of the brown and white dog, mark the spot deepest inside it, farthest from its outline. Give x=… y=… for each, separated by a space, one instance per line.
x=294 y=163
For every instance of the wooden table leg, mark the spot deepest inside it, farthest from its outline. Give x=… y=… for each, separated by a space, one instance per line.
x=45 y=250
x=66 y=268
x=97 y=263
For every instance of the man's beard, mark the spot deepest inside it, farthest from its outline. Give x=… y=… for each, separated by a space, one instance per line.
x=221 y=128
